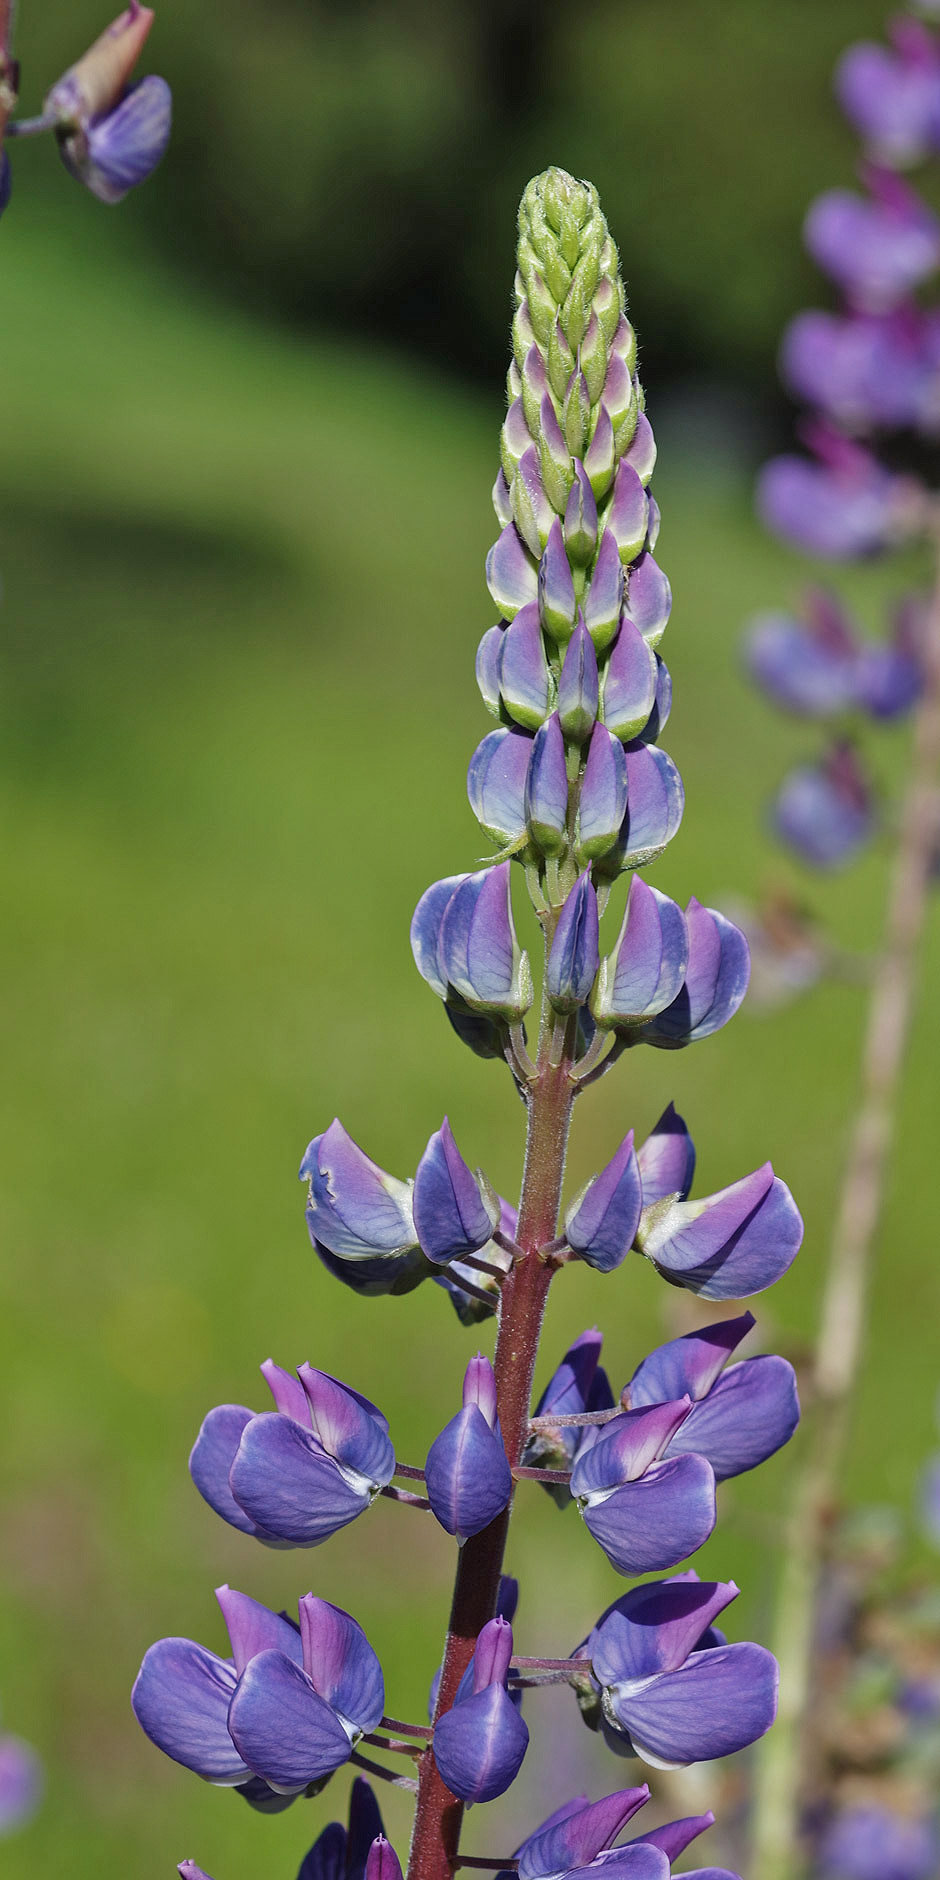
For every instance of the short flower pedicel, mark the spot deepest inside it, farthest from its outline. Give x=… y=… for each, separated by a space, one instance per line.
x=573 y=792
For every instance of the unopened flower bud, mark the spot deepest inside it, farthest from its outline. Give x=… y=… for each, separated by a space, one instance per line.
x=601 y=1223
x=455 y=1212
x=573 y=956
x=603 y=799
x=523 y=669
x=578 y=687
x=546 y=789
x=629 y=683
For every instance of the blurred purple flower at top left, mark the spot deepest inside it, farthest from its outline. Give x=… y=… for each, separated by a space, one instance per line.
x=293 y=1476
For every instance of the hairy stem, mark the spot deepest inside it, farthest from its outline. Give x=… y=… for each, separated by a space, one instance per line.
x=438 y=1814
x=784 y=1764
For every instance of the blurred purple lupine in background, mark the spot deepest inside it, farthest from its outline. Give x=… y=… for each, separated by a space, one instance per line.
x=21 y=1783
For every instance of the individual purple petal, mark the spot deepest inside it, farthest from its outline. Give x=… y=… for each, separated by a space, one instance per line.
x=656 y=1520
x=603 y=595
x=546 y=789
x=252 y=1628
x=714 y=1704
x=479 y=1745
x=492 y=1655
x=601 y=1222
x=655 y=802
x=805 y=671
x=667 y=1164
x=747 y=1415
x=581 y=518
x=573 y=956
x=580 y=1835
x=627 y=518
x=467 y=1474
x=864 y=370
x=523 y=669
x=479 y=1388
x=715 y=982
x=629 y=683
x=479 y=953
x=511 y=573
x=341 y=1663
x=426 y=930
x=530 y=505
x=603 y=800
x=211 y=1460
x=730 y=1244
x=181 y=1700
x=674 y=1836
x=648 y=599
x=653 y=1628
x=114 y=152
x=287 y=1390
x=865 y=1841
x=892 y=96
x=687 y=1366
x=285 y=1731
x=825 y=811
x=453 y=1214
x=627 y=1446
x=641 y=455
x=877 y=250
x=558 y=607
x=286 y=1483
x=648 y=965
x=496 y=783
x=487 y=667
x=21 y=1779
x=578 y=687
x=382 y=1862
x=354 y=1206
x=347 y=1424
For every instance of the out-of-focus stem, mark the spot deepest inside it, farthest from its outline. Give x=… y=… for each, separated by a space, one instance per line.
x=438 y=1813
x=783 y=1761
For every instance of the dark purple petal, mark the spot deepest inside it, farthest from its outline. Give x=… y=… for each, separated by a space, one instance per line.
x=578 y=687
x=211 y=1460
x=558 y=608
x=603 y=800
x=523 y=669
x=6 y=180
x=642 y=452
x=285 y=1731
x=624 y=1448
x=511 y=574
x=728 y=1245
x=629 y=683
x=667 y=1163
x=341 y=1663
x=546 y=790
x=365 y=1822
x=674 y=1836
x=354 y=1206
x=715 y=1704
x=382 y=1862
x=478 y=948
x=496 y=783
x=748 y=1415
x=580 y=1835
x=653 y=1628
x=687 y=1366
x=602 y=1221
x=648 y=965
x=252 y=1628
x=603 y=596
x=492 y=1654
x=452 y=1213
x=287 y=1484
x=347 y=1424
x=648 y=599
x=117 y=151
x=467 y=1475
x=657 y=1520
x=573 y=957
x=479 y=1745
x=877 y=251
x=715 y=982
x=567 y=1393
x=181 y=1700
x=887 y=682
x=426 y=930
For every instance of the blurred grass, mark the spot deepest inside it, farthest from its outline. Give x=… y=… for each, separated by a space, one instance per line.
x=242 y=592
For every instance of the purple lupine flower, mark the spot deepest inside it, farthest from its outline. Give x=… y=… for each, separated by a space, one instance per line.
x=891 y=95
x=628 y=514
x=496 y=783
x=868 y=1842
x=341 y=1853
x=470 y=1309
x=630 y=680
x=715 y=982
x=573 y=956
x=603 y=800
x=655 y=802
x=359 y=1218
x=546 y=789
x=511 y=573
x=667 y=1159
x=808 y=664
x=878 y=249
x=455 y=1211
x=603 y=596
x=479 y=1744
x=581 y=519
x=478 y=953
x=21 y=1783
x=294 y=1476
x=675 y=1698
x=111 y=136
x=648 y=966
x=825 y=811
x=183 y=1692
x=507 y=1600
x=863 y=370
x=467 y=1473
x=728 y=1245
x=648 y=599
x=524 y=678
x=578 y=1838
x=843 y=505
x=484 y=1036
x=558 y=608
x=296 y=1722
x=487 y=667
x=889 y=677
x=646 y=1510
x=737 y=1417
x=601 y=1222
x=578 y=686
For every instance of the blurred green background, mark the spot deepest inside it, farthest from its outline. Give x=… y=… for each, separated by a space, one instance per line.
x=249 y=431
